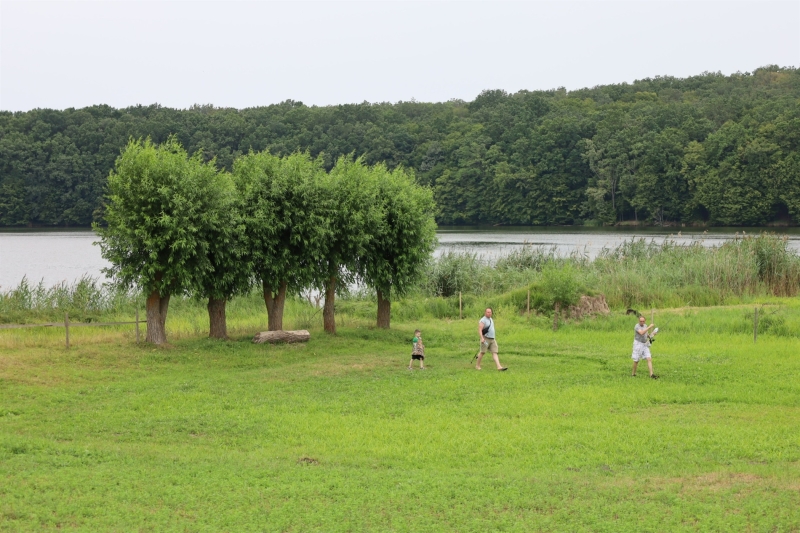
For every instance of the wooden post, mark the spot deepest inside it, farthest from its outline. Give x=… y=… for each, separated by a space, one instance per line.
x=755 y=326
x=459 y=305
x=652 y=316
x=137 y=324
x=555 y=318
x=66 y=327
x=529 y=304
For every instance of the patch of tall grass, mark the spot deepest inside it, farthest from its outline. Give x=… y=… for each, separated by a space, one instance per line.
x=85 y=300
x=639 y=273
x=636 y=273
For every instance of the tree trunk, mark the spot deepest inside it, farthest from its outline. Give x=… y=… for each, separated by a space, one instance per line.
x=300 y=335
x=384 y=311
x=217 y=324
x=157 y=306
x=328 y=313
x=274 y=303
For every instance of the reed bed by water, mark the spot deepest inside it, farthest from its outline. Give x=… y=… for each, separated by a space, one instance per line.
x=86 y=296
x=639 y=273
x=636 y=273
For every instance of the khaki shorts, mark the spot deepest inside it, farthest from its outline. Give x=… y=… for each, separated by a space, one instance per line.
x=489 y=346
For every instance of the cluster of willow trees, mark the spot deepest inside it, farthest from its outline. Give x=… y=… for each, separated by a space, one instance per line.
x=176 y=224
x=707 y=149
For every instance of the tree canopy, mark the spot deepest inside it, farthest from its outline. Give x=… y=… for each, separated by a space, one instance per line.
x=402 y=240
x=709 y=149
x=161 y=211
x=352 y=210
x=286 y=229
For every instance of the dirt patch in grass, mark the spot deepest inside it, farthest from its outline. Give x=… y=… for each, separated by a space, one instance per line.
x=711 y=482
x=719 y=481
x=341 y=365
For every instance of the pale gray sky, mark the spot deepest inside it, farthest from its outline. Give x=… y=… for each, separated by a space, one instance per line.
x=243 y=54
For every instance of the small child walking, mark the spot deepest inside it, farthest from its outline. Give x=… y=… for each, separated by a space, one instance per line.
x=418 y=351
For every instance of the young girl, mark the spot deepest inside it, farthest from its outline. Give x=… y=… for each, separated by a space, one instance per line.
x=418 y=352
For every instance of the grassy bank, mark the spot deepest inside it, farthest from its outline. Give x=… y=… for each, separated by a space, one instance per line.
x=335 y=435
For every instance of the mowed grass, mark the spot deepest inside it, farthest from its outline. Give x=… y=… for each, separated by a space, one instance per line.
x=336 y=434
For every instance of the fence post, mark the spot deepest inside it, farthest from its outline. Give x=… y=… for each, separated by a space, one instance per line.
x=529 y=304
x=459 y=305
x=555 y=318
x=755 y=326
x=137 y=324
x=652 y=316
x=66 y=327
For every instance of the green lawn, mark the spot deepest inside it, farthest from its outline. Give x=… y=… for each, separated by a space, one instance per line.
x=336 y=435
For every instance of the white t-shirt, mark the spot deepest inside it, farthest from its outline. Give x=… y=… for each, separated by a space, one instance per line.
x=488 y=322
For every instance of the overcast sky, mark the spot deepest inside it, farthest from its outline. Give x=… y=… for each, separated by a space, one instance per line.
x=244 y=54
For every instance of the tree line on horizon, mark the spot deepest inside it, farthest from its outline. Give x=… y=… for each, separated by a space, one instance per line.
x=174 y=224
x=707 y=149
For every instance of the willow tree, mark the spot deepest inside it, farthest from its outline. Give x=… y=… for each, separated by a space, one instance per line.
x=230 y=271
x=285 y=226
x=349 y=202
x=401 y=241
x=161 y=206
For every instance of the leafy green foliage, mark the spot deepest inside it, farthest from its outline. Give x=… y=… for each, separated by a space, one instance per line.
x=404 y=236
x=561 y=285
x=286 y=229
x=162 y=208
x=230 y=272
x=704 y=149
x=349 y=201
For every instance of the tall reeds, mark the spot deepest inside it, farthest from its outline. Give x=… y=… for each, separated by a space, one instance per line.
x=637 y=272
x=85 y=298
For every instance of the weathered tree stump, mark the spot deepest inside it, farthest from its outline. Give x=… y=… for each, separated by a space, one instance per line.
x=589 y=306
x=272 y=337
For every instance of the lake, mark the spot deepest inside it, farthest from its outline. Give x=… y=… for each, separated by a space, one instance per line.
x=56 y=256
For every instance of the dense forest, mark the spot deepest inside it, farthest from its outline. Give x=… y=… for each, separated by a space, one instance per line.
x=708 y=149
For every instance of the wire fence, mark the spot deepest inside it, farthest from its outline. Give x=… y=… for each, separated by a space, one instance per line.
x=67 y=325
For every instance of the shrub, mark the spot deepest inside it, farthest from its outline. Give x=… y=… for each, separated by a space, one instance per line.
x=561 y=285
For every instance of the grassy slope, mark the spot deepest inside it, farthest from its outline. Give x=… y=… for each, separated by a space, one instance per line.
x=336 y=435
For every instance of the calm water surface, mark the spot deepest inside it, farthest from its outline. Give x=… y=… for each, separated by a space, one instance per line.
x=491 y=243
x=64 y=256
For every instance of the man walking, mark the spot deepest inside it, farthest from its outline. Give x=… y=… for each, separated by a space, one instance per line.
x=488 y=342
x=641 y=346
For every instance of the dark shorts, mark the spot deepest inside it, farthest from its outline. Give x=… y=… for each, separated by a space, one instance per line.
x=419 y=357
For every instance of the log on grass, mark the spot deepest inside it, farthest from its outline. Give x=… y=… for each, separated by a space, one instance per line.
x=272 y=337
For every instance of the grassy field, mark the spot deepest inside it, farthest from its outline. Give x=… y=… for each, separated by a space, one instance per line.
x=336 y=434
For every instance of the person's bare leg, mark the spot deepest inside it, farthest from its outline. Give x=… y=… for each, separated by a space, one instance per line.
x=480 y=358
x=635 y=364
x=411 y=365
x=650 y=366
x=497 y=360
x=421 y=364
